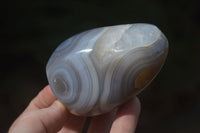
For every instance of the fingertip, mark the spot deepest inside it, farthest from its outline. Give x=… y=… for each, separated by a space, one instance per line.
x=44 y=99
x=59 y=107
x=102 y=123
x=54 y=117
x=132 y=106
x=47 y=92
x=127 y=117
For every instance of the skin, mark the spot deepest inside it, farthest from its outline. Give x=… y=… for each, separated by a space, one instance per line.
x=46 y=114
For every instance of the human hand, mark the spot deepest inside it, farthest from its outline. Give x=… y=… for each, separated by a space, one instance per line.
x=45 y=114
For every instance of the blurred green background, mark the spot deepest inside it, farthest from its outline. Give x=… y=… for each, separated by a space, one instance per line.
x=31 y=29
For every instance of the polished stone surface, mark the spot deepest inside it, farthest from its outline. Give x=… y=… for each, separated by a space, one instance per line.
x=99 y=69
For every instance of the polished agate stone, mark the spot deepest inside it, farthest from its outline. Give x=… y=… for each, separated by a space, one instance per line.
x=97 y=70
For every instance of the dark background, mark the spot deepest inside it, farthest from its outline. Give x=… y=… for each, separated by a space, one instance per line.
x=31 y=29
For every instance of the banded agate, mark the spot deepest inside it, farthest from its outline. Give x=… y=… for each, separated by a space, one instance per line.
x=97 y=70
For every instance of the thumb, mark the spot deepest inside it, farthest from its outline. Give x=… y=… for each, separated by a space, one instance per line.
x=46 y=120
x=53 y=118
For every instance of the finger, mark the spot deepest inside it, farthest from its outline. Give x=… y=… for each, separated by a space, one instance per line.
x=102 y=123
x=43 y=100
x=127 y=117
x=54 y=117
x=47 y=120
x=73 y=124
